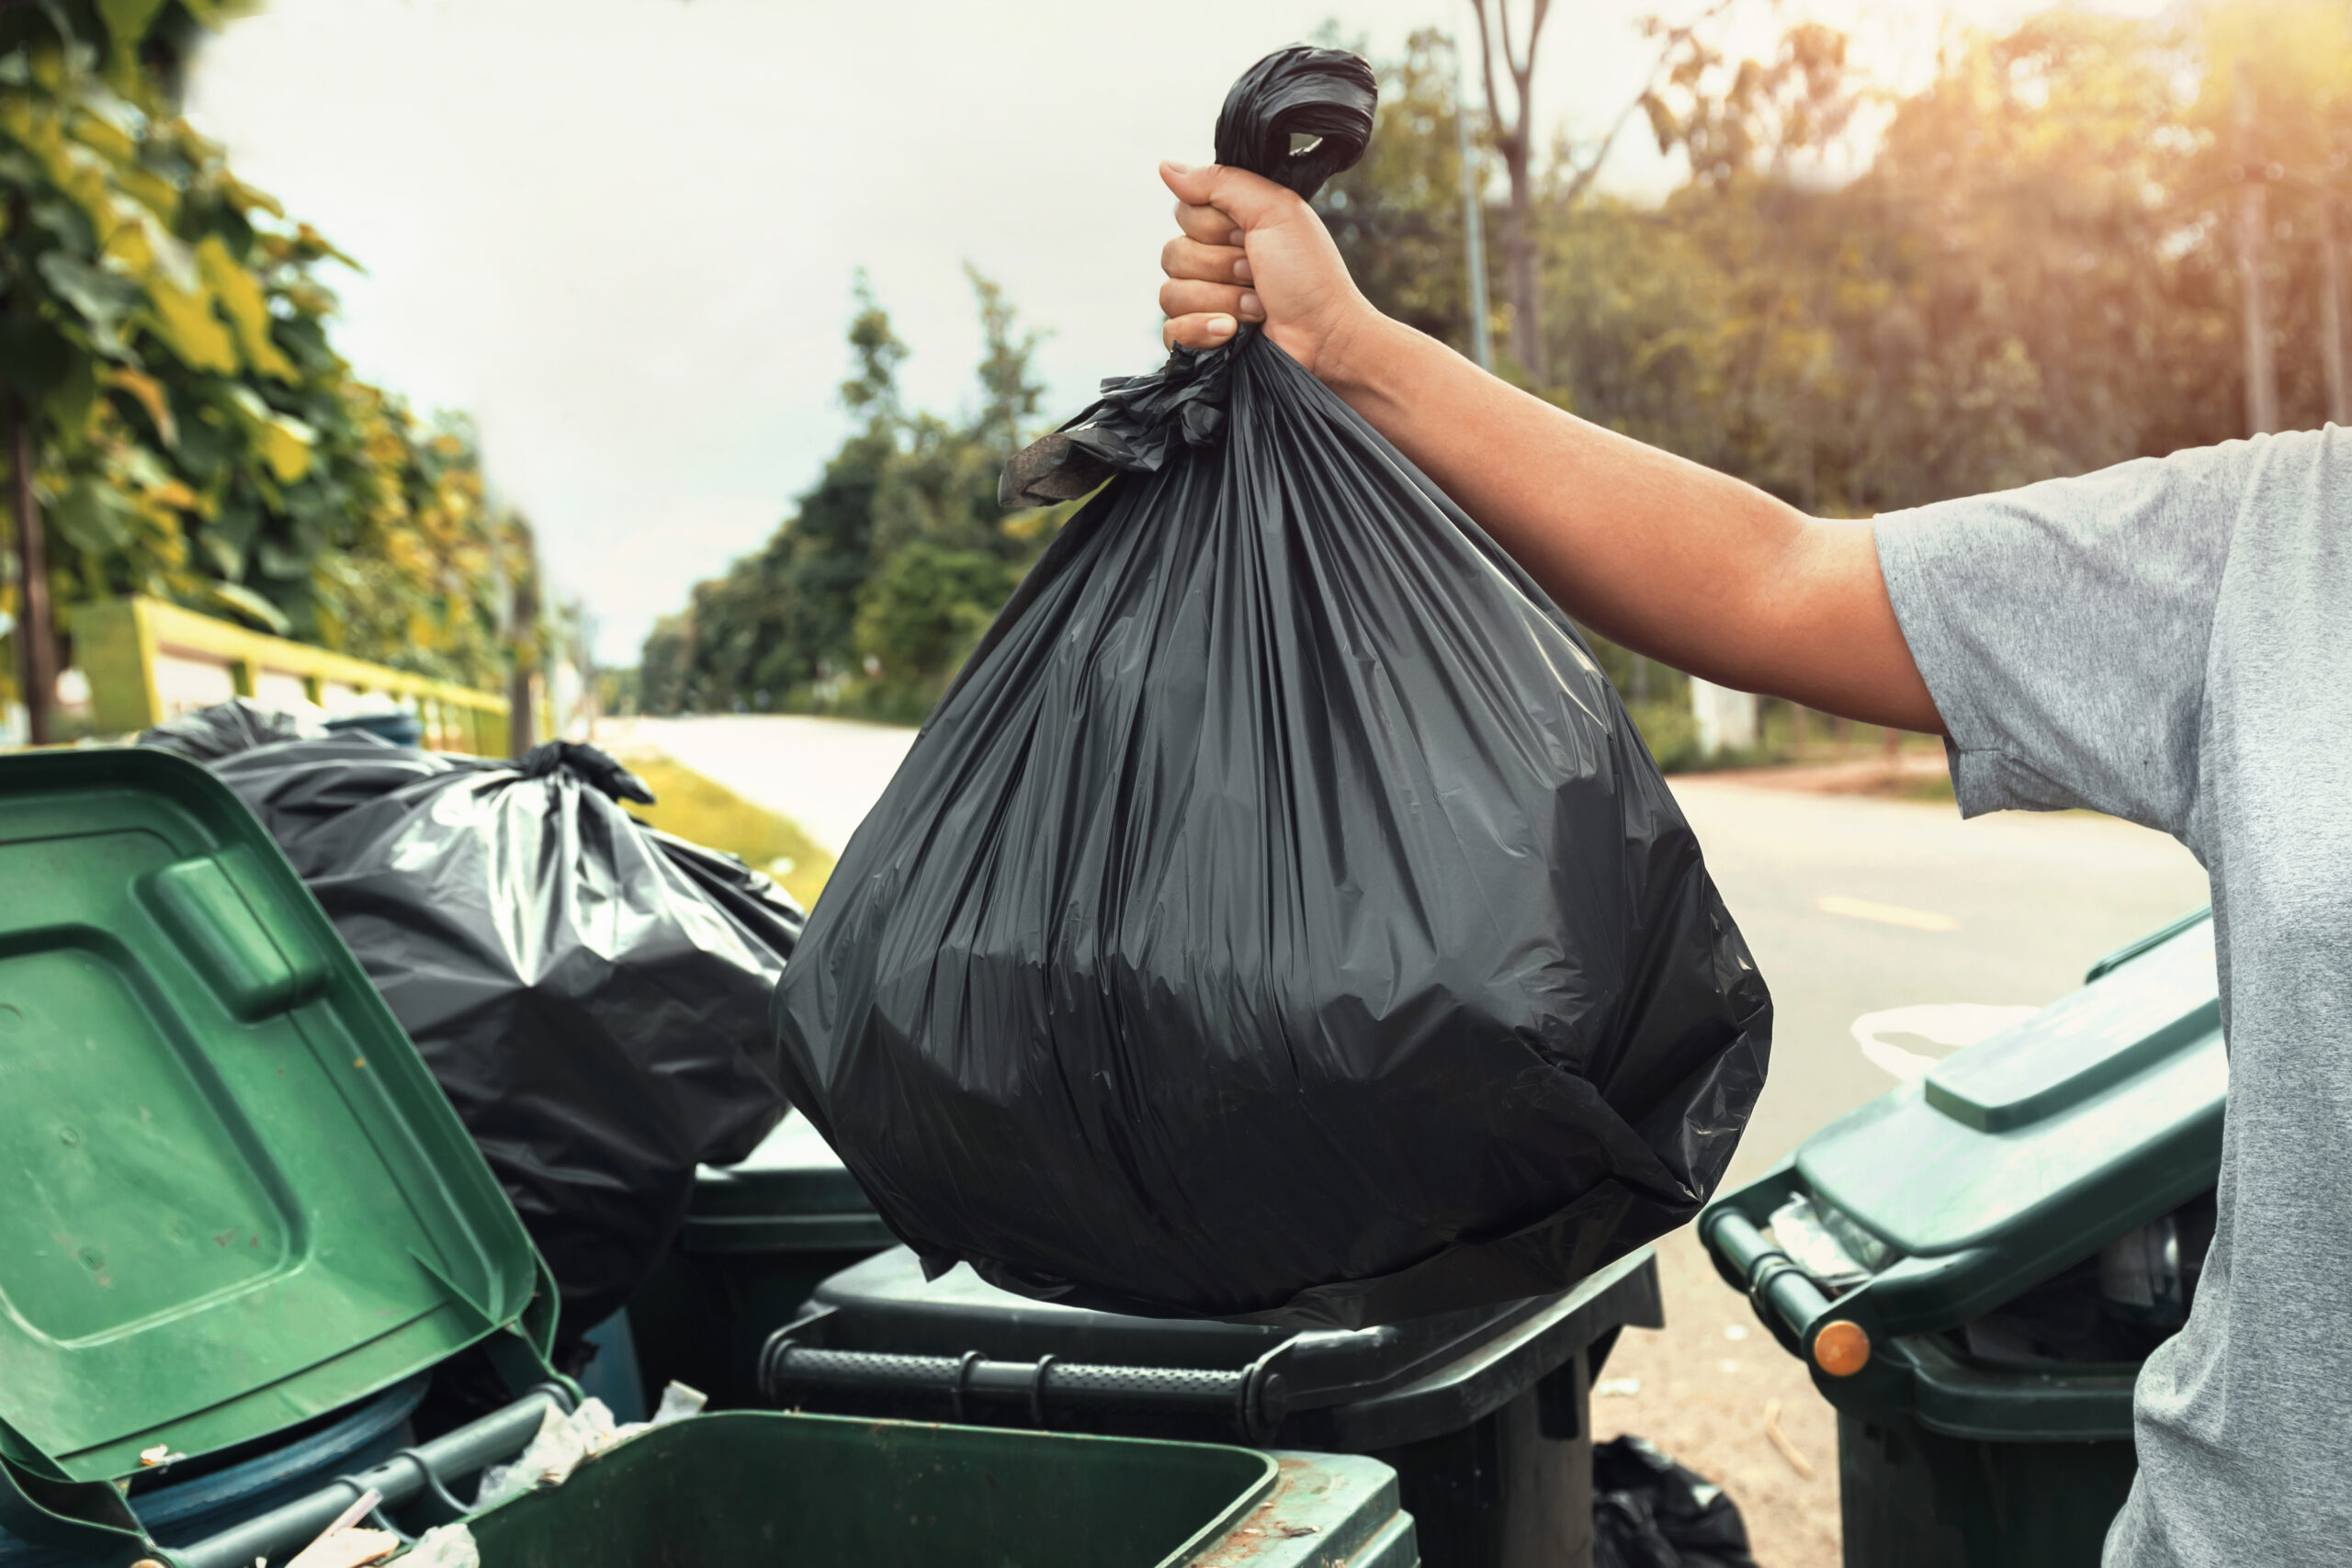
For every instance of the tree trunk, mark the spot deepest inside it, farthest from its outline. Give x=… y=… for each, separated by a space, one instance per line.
x=2331 y=313
x=520 y=689
x=35 y=635
x=1526 y=273
x=2261 y=372
x=1522 y=269
x=1474 y=226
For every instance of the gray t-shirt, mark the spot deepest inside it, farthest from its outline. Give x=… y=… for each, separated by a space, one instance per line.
x=2171 y=641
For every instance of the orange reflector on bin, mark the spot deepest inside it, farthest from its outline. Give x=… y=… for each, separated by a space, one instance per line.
x=1842 y=1348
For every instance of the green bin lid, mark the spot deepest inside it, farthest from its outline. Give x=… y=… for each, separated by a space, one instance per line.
x=2012 y=1159
x=236 y=1199
x=792 y=1195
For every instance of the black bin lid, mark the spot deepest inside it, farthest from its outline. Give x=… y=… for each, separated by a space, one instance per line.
x=1356 y=1391
x=792 y=1195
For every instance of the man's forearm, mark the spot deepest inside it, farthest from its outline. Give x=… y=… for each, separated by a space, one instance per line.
x=1669 y=557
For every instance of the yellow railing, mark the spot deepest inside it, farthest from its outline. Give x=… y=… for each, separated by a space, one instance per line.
x=147 y=661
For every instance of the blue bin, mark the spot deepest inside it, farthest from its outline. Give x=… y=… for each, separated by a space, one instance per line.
x=188 y=1502
x=400 y=729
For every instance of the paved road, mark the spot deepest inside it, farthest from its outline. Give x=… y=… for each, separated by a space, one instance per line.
x=1921 y=907
x=822 y=773
x=2008 y=909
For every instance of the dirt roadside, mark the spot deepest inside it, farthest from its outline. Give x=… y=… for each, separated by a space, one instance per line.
x=1708 y=1390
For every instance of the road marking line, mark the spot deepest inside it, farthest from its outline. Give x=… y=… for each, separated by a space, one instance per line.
x=1887 y=914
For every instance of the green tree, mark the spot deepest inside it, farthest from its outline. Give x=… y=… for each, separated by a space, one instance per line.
x=1009 y=389
x=164 y=351
x=1396 y=215
x=925 y=609
x=2034 y=274
x=869 y=597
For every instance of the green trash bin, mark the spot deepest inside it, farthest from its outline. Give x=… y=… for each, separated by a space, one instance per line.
x=1975 y=1264
x=824 y=1492
x=759 y=1236
x=242 y=1219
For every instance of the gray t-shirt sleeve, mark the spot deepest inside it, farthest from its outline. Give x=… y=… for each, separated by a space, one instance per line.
x=2062 y=629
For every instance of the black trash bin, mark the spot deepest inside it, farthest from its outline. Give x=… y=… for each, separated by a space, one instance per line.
x=1975 y=1265
x=760 y=1235
x=1482 y=1413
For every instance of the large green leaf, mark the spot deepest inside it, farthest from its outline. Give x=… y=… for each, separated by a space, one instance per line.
x=95 y=517
x=281 y=562
x=149 y=394
x=283 y=441
x=184 y=319
x=251 y=607
x=223 y=553
x=128 y=20
x=204 y=437
x=34 y=359
x=62 y=220
x=239 y=293
x=104 y=301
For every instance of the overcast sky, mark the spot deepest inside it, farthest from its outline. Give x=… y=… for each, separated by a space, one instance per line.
x=622 y=232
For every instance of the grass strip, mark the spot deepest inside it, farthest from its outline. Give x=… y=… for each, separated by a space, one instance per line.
x=707 y=812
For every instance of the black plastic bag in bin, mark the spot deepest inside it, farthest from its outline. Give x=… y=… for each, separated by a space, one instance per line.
x=1279 y=916
x=590 y=994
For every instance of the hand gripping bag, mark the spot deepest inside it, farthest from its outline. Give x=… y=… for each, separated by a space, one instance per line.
x=1280 y=917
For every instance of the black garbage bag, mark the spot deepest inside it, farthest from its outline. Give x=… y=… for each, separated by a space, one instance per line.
x=225 y=728
x=1649 y=1512
x=1279 y=916
x=592 y=995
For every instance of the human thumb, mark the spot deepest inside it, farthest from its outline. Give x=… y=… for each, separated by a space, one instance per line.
x=1250 y=200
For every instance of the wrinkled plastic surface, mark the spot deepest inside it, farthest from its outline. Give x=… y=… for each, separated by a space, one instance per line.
x=1279 y=916
x=226 y=729
x=590 y=994
x=1649 y=1512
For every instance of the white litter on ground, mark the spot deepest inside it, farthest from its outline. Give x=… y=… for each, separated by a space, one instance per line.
x=444 y=1546
x=1951 y=1025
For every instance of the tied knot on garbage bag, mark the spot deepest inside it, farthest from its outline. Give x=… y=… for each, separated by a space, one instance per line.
x=591 y=765
x=1297 y=117
x=224 y=729
x=1132 y=428
x=1280 y=917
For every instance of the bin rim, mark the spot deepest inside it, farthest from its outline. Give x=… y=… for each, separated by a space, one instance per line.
x=1223 y=1523
x=1328 y=1389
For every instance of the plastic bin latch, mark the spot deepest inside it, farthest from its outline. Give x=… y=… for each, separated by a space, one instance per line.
x=227 y=927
